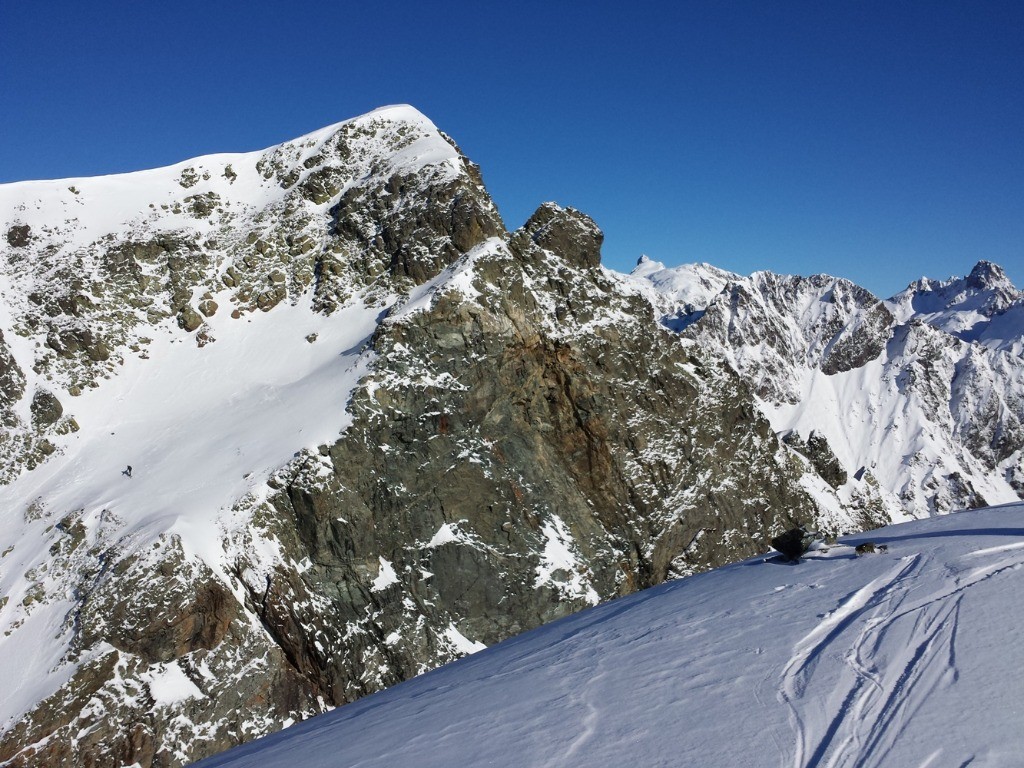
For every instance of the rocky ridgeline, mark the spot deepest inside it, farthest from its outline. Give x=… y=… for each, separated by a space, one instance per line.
x=347 y=209
x=534 y=435
x=918 y=400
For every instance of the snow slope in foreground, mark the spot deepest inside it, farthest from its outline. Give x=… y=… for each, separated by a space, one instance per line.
x=913 y=656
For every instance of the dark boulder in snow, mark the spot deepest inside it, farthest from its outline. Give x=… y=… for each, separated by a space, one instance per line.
x=46 y=408
x=19 y=236
x=794 y=543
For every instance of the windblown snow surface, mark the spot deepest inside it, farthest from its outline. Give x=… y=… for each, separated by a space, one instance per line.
x=912 y=656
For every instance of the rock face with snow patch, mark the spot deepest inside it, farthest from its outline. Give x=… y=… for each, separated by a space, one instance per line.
x=374 y=431
x=507 y=468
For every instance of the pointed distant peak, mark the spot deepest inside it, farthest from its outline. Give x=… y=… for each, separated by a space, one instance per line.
x=646 y=266
x=920 y=285
x=987 y=276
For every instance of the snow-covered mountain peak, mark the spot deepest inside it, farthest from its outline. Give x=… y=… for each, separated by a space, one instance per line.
x=680 y=293
x=223 y=204
x=371 y=430
x=987 y=276
x=214 y=194
x=685 y=282
x=983 y=307
x=984 y=292
x=205 y=323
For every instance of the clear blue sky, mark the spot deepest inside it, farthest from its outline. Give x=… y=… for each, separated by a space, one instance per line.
x=879 y=141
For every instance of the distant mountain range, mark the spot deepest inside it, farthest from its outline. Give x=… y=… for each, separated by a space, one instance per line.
x=371 y=430
x=919 y=398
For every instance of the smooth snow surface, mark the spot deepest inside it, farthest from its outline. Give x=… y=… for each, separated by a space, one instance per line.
x=909 y=657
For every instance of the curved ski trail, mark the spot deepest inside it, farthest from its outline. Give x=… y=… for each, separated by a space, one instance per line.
x=896 y=650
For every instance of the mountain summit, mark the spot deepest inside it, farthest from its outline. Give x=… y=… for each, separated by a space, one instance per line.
x=984 y=306
x=987 y=276
x=285 y=428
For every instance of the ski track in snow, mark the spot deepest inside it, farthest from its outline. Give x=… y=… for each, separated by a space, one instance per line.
x=590 y=697
x=896 y=651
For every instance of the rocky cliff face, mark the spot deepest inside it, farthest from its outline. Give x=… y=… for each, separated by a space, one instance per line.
x=502 y=433
x=374 y=431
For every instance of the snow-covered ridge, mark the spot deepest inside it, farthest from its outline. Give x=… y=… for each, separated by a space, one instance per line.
x=933 y=377
x=431 y=150
x=984 y=307
x=77 y=212
x=680 y=293
x=902 y=656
